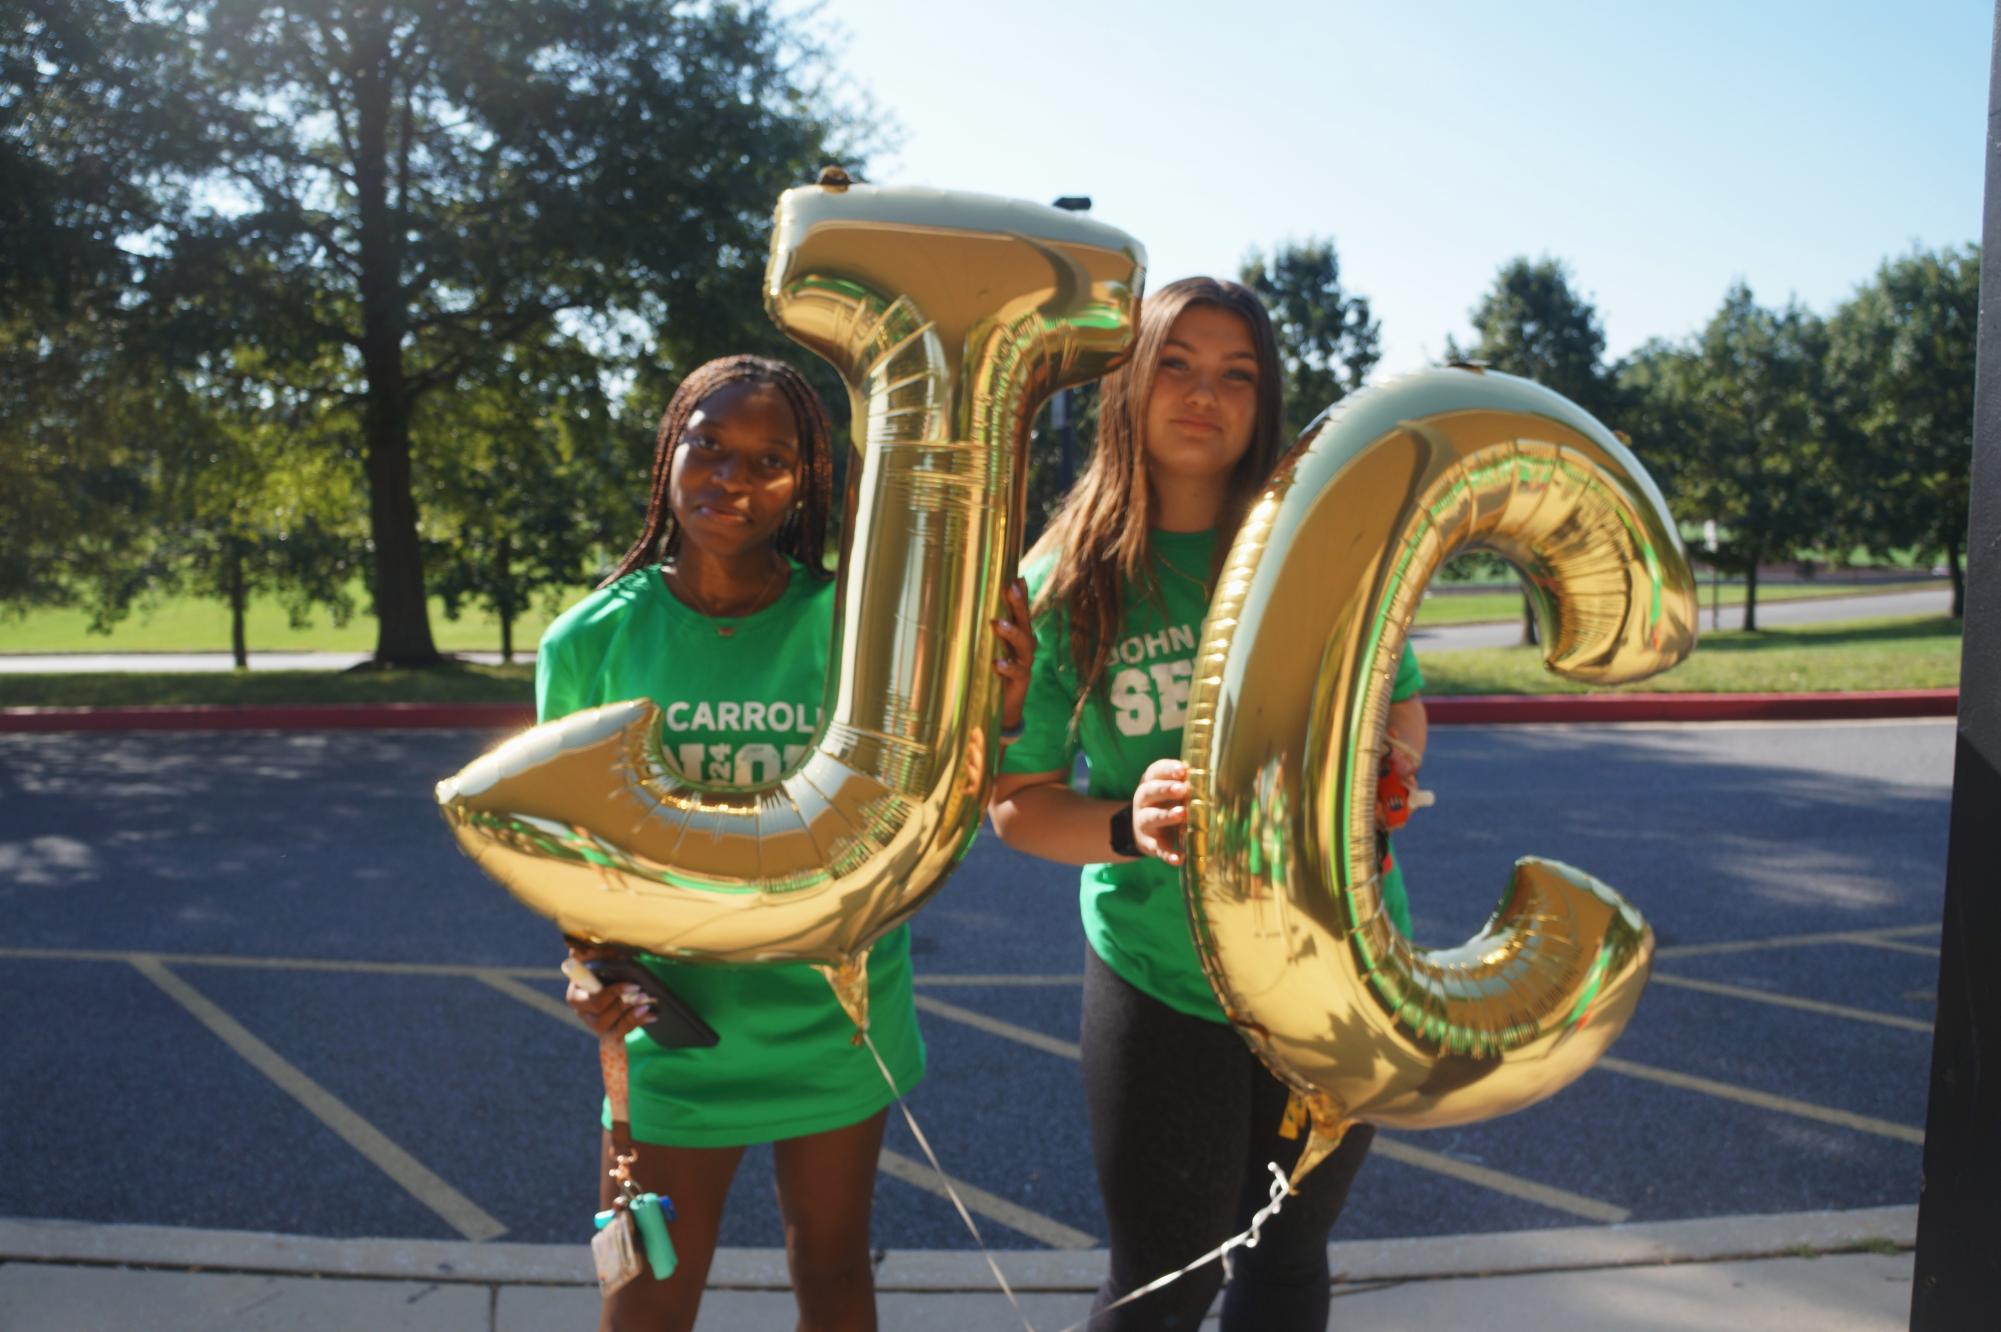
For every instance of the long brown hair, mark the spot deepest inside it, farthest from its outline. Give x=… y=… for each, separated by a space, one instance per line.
x=1100 y=537
x=804 y=533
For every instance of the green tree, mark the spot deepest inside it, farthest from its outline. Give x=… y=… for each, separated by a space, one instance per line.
x=1532 y=323
x=1327 y=339
x=412 y=189
x=1901 y=366
x=516 y=501
x=1746 y=398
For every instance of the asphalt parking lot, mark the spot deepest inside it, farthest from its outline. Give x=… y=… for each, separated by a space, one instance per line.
x=254 y=986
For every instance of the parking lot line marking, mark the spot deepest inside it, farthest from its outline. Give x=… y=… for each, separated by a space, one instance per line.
x=1763 y=1100
x=1561 y=1200
x=1895 y=945
x=454 y=1208
x=1792 y=1001
x=996 y=1027
x=1010 y=1214
x=1797 y=941
x=1013 y=1215
x=534 y=998
x=1500 y=1182
x=998 y=980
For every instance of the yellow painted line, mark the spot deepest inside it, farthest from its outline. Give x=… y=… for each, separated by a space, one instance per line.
x=998 y=980
x=1561 y=1200
x=1500 y=1182
x=978 y=1201
x=1877 y=937
x=458 y=1211
x=1010 y=1214
x=1763 y=1100
x=1792 y=1001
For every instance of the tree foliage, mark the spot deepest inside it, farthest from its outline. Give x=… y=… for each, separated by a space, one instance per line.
x=1532 y=323
x=386 y=200
x=1327 y=339
x=1901 y=356
x=1739 y=420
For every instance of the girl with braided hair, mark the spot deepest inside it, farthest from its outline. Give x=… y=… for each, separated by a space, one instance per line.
x=722 y=614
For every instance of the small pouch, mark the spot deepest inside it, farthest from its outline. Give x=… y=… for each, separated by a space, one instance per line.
x=614 y=1252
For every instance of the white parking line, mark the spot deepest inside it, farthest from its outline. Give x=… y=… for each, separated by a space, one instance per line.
x=1397 y=1150
x=454 y=1208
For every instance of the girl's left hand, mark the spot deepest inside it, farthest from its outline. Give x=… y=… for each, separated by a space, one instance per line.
x=1017 y=659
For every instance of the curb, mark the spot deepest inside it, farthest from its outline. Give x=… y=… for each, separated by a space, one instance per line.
x=1568 y=1249
x=1443 y=709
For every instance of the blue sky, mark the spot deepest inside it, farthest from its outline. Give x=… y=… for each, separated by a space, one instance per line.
x=1662 y=150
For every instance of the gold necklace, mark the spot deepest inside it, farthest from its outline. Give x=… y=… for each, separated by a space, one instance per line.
x=680 y=588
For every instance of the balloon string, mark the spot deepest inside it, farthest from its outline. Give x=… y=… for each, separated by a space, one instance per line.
x=946 y=1180
x=1248 y=1239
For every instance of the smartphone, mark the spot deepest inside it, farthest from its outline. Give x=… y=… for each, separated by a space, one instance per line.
x=675 y=1026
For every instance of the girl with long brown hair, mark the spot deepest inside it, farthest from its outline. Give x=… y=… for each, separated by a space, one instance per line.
x=722 y=614
x=1183 y=1116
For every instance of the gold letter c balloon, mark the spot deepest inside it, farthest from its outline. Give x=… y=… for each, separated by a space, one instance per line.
x=951 y=317
x=1285 y=733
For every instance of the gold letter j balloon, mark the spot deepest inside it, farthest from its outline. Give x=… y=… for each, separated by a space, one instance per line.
x=1285 y=734
x=951 y=317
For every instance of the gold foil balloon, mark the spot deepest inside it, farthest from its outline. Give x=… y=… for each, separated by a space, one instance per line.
x=951 y=317
x=1285 y=735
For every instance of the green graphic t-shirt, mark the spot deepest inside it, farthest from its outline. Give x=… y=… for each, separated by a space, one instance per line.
x=1133 y=912
x=737 y=708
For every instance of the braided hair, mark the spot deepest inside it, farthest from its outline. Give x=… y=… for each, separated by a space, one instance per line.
x=803 y=536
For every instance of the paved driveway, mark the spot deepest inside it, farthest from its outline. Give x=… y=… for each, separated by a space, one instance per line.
x=251 y=985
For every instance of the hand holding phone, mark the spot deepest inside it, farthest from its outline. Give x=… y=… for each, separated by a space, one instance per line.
x=674 y=1025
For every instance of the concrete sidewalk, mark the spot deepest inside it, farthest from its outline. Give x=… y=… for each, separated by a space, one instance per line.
x=1825 y=1271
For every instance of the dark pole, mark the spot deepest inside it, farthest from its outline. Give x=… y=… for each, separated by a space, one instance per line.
x=1958 y=1279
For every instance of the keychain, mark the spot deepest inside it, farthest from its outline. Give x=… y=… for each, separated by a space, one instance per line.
x=632 y=1233
x=635 y=1223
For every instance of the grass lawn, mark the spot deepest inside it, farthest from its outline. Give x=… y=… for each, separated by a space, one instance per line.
x=1484 y=607
x=187 y=625
x=1907 y=653
x=1903 y=653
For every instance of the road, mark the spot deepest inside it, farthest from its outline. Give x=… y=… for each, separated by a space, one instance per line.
x=252 y=985
x=1933 y=601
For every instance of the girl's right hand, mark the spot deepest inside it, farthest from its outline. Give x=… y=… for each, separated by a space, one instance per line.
x=608 y=1010
x=1160 y=809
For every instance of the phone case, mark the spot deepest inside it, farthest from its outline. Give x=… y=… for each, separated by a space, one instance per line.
x=675 y=1026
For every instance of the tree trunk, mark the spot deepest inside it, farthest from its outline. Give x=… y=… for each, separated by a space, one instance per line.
x=504 y=604
x=1751 y=597
x=1958 y=579
x=1530 y=637
x=239 y=644
x=402 y=617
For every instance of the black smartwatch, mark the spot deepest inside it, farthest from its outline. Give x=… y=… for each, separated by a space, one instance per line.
x=1123 y=841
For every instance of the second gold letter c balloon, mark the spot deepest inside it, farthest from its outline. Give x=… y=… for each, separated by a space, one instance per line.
x=950 y=317
x=1285 y=731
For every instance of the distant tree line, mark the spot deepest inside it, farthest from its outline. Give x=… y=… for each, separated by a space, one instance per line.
x=356 y=304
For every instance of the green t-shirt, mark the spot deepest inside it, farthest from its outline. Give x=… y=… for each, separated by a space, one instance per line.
x=1134 y=916
x=737 y=709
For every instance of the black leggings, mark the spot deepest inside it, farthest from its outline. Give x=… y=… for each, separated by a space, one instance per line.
x=1183 y=1120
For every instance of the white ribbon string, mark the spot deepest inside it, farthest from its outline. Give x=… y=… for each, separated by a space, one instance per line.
x=946 y=1180
x=1248 y=1239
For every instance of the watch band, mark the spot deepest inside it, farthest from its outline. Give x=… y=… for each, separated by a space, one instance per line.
x=1123 y=841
